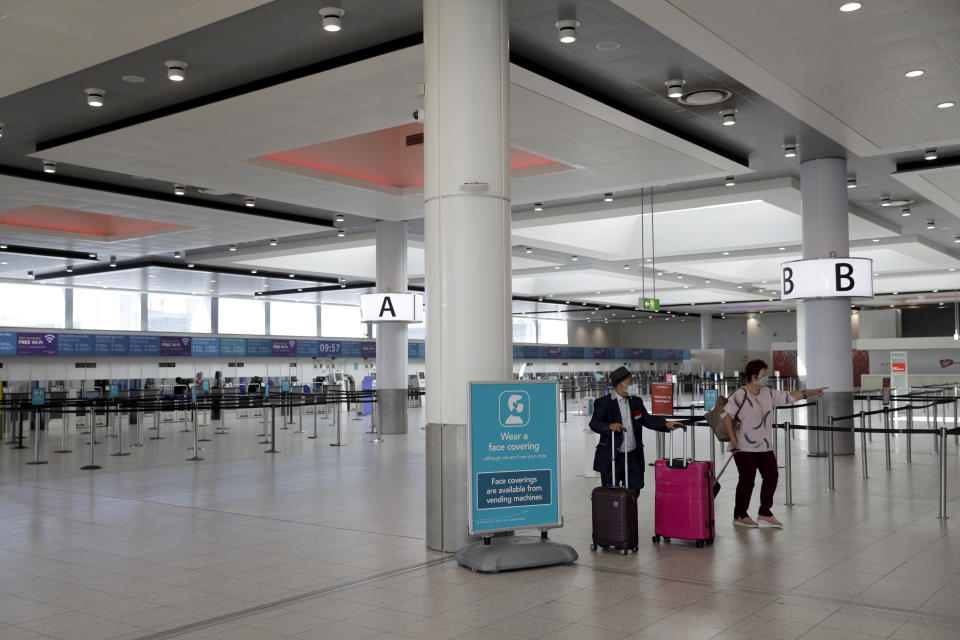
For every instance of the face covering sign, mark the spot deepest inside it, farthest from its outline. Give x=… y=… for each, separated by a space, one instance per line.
x=514 y=456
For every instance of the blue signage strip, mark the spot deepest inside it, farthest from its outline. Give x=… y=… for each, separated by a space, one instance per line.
x=144 y=345
x=514 y=440
x=259 y=347
x=107 y=345
x=233 y=347
x=205 y=347
x=75 y=344
x=8 y=343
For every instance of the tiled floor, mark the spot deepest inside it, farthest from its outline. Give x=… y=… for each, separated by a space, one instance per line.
x=325 y=542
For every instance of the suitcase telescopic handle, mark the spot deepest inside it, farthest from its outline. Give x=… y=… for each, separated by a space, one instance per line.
x=613 y=462
x=683 y=459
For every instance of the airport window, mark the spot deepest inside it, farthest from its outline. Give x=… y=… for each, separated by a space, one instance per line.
x=187 y=314
x=293 y=319
x=341 y=321
x=552 y=331
x=45 y=308
x=417 y=331
x=106 y=310
x=524 y=330
x=236 y=315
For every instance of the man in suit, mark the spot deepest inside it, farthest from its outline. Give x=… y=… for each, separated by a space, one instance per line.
x=619 y=416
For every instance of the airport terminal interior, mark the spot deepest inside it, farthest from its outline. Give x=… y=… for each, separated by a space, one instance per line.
x=307 y=308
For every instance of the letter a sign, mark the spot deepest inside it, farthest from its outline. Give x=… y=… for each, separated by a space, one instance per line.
x=829 y=278
x=391 y=307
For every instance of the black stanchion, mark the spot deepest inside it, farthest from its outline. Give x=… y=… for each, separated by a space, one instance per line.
x=273 y=431
x=38 y=420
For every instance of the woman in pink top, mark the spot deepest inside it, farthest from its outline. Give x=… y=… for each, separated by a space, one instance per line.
x=752 y=444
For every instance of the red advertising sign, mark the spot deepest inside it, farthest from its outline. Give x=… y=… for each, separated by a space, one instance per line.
x=898 y=367
x=662 y=399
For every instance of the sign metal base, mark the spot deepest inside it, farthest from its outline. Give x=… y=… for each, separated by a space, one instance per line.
x=514 y=552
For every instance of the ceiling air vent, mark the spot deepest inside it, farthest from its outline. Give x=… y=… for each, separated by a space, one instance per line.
x=415 y=139
x=704 y=97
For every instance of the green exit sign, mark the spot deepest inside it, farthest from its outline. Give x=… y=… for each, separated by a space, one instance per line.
x=651 y=304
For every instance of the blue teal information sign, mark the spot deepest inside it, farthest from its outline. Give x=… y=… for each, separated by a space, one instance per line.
x=514 y=456
x=285 y=386
x=710 y=397
x=38 y=397
x=114 y=390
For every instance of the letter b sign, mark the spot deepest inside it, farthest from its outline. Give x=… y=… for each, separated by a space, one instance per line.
x=787 y=281
x=844 y=273
x=826 y=278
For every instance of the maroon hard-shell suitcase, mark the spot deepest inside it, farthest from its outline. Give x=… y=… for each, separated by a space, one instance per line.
x=615 y=514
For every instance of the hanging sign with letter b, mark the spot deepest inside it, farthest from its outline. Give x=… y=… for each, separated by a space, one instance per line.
x=827 y=278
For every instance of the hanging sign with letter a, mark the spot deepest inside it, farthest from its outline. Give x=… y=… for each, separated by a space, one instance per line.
x=391 y=307
x=827 y=278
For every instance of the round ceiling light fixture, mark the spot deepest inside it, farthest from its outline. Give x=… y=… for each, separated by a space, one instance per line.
x=790 y=150
x=675 y=88
x=250 y=202
x=905 y=212
x=852 y=182
x=567 y=30
x=608 y=46
x=608 y=197
x=113 y=261
x=332 y=18
x=847 y=7
x=176 y=70
x=177 y=254
x=233 y=247
x=95 y=96
x=728 y=117
x=538 y=206
x=946 y=105
x=931 y=224
x=914 y=73
x=730 y=181
x=49 y=166
x=133 y=79
x=341 y=232
x=338 y=218
x=273 y=242
x=704 y=97
x=930 y=154
x=2 y=126
x=179 y=190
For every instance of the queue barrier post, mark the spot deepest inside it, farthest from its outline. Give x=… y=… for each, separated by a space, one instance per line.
x=140 y=418
x=186 y=420
x=93 y=441
x=300 y=416
x=337 y=419
x=156 y=424
x=196 y=437
x=38 y=430
x=936 y=438
x=264 y=404
x=863 y=443
x=831 y=475
x=788 y=462
x=273 y=430
x=942 y=436
x=19 y=429
x=886 y=436
x=119 y=451
x=316 y=410
x=909 y=436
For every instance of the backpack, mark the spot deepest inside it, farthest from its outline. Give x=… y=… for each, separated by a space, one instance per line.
x=714 y=418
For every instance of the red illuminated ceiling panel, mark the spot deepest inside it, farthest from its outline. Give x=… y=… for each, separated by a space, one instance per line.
x=56 y=220
x=383 y=157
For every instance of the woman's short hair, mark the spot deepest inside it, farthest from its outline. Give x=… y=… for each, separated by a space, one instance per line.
x=753 y=368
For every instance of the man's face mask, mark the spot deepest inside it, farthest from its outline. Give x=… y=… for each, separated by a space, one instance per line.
x=633 y=390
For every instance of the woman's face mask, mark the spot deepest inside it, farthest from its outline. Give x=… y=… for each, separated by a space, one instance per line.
x=763 y=380
x=633 y=390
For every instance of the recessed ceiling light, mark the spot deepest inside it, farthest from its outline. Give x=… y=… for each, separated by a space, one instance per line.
x=726 y=253
x=885 y=201
x=931 y=224
x=341 y=232
x=608 y=46
x=151 y=275
x=905 y=212
x=250 y=202
x=847 y=7
x=538 y=206
x=675 y=88
x=133 y=79
x=608 y=197
x=95 y=96
x=626 y=266
x=790 y=151
x=212 y=280
x=233 y=247
x=946 y=105
x=876 y=240
x=332 y=18
x=930 y=154
x=574 y=258
x=852 y=183
x=190 y=265
x=5 y=262
x=176 y=70
x=291 y=275
x=781 y=248
x=338 y=218
x=49 y=166
x=179 y=190
x=253 y=271
x=728 y=117
x=956 y=239
x=273 y=242
x=567 y=30
x=528 y=250
x=177 y=254
x=730 y=181
x=113 y=261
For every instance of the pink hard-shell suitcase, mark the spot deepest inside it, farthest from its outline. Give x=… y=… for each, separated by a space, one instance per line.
x=683 y=504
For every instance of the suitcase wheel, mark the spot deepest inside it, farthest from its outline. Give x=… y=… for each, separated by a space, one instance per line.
x=623 y=552
x=699 y=544
x=593 y=547
x=656 y=538
x=666 y=539
x=635 y=549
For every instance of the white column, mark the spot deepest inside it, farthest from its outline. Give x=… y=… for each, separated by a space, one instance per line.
x=827 y=339
x=467 y=234
x=706 y=331
x=392 y=337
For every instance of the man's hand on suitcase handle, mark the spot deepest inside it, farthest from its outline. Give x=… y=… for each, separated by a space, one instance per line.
x=616 y=426
x=676 y=425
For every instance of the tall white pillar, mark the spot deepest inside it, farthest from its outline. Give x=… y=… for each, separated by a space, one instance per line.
x=706 y=331
x=827 y=339
x=467 y=236
x=392 y=336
